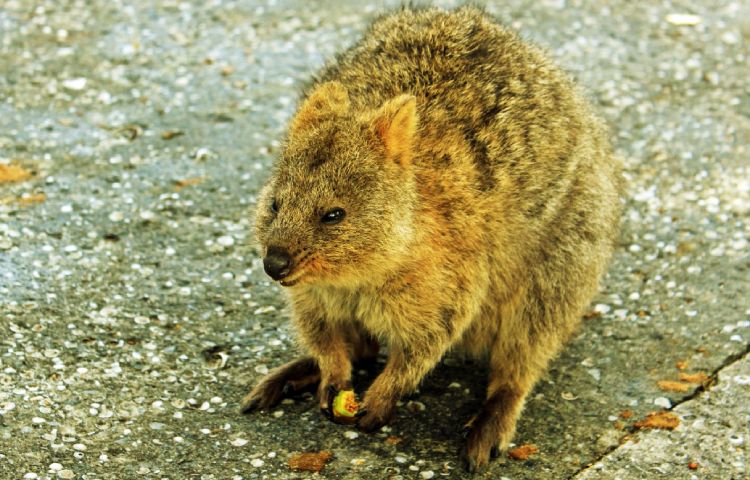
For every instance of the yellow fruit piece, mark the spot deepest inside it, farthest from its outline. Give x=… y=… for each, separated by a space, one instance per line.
x=345 y=406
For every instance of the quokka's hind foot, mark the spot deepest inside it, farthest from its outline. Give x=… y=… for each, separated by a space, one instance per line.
x=296 y=376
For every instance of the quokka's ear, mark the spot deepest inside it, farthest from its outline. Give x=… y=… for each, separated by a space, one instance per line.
x=328 y=100
x=395 y=125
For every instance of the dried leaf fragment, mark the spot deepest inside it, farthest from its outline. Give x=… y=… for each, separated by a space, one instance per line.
x=309 y=461
x=170 y=134
x=682 y=364
x=659 y=420
x=32 y=199
x=592 y=314
x=393 y=440
x=523 y=452
x=699 y=377
x=625 y=414
x=185 y=182
x=672 y=386
x=13 y=173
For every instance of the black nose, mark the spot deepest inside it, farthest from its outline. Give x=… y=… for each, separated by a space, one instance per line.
x=277 y=263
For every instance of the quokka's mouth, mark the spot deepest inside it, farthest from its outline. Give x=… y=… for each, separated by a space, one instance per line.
x=292 y=280
x=289 y=283
x=297 y=273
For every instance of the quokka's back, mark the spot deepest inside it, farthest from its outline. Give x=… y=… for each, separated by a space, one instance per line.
x=482 y=91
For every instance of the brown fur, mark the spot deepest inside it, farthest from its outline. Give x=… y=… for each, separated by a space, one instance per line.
x=482 y=204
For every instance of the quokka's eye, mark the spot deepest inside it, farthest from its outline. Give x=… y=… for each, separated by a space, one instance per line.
x=332 y=217
x=275 y=206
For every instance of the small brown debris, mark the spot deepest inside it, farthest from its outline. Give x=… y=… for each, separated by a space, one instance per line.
x=682 y=364
x=626 y=414
x=618 y=425
x=699 y=377
x=170 y=134
x=310 y=461
x=672 y=386
x=186 y=182
x=13 y=173
x=523 y=452
x=393 y=440
x=592 y=314
x=683 y=248
x=659 y=420
x=693 y=465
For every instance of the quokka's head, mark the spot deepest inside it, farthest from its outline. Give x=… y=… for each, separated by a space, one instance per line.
x=338 y=207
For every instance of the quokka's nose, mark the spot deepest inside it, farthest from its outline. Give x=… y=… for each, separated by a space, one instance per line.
x=277 y=263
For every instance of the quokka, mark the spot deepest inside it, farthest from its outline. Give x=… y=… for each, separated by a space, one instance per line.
x=442 y=187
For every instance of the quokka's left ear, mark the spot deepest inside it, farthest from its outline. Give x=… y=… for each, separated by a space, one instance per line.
x=326 y=101
x=395 y=125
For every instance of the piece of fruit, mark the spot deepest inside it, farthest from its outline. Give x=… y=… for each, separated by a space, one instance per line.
x=345 y=407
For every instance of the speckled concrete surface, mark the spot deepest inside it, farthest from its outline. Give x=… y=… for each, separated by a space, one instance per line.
x=134 y=312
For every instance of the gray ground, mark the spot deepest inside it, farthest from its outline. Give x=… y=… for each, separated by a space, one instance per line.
x=125 y=285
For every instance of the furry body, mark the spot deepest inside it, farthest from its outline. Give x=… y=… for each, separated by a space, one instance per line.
x=482 y=205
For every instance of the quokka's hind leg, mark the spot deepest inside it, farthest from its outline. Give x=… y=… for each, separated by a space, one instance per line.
x=296 y=376
x=494 y=426
x=518 y=358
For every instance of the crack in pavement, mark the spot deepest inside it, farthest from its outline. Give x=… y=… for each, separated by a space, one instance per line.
x=707 y=386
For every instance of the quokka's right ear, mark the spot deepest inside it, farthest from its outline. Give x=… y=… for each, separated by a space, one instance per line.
x=328 y=100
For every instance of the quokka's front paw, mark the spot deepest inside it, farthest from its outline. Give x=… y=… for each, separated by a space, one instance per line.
x=374 y=414
x=294 y=377
x=370 y=422
x=327 y=393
